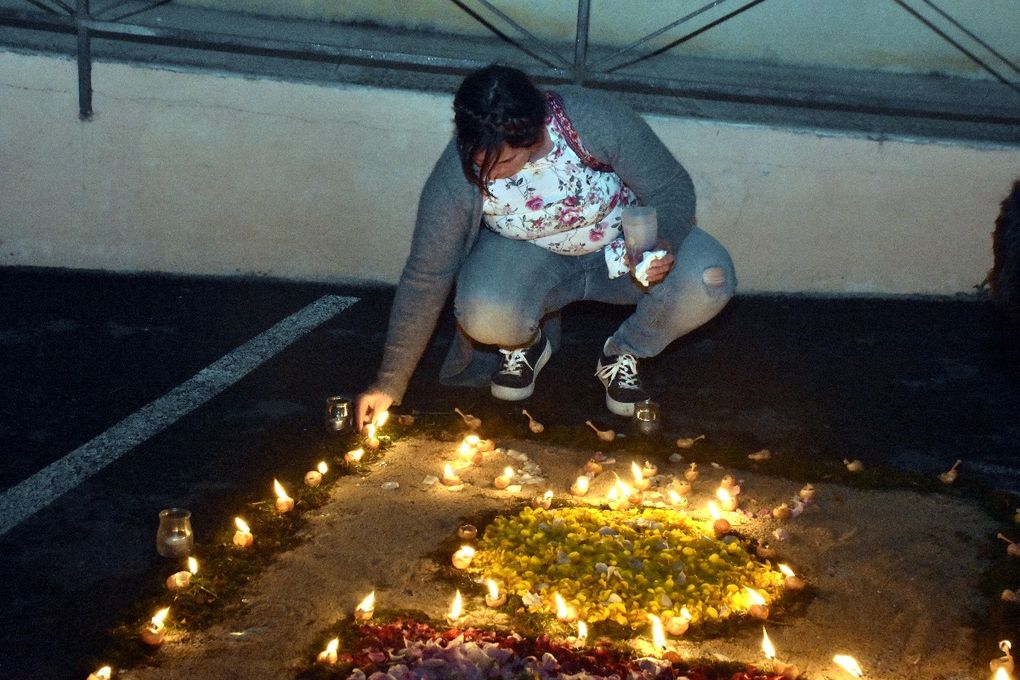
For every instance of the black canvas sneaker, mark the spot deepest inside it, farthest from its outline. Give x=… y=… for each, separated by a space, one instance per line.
x=619 y=375
x=515 y=379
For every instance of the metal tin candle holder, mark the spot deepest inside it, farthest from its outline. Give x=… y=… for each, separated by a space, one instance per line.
x=174 y=537
x=647 y=419
x=338 y=414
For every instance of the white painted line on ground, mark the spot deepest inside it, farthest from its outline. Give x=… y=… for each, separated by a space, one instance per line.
x=28 y=497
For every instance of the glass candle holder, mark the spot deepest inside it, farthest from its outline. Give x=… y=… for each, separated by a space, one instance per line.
x=646 y=417
x=338 y=414
x=174 y=537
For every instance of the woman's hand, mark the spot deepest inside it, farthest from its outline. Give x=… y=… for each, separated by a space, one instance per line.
x=660 y=266
x=368 y=406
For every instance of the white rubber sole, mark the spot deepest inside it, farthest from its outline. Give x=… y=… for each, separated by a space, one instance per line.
x=519 y=393
x=620 y=408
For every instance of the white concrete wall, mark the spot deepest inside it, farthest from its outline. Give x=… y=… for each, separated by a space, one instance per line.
x=204 y=174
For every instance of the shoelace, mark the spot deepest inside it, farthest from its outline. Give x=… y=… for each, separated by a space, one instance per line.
x=513 y=360
x=624 y=369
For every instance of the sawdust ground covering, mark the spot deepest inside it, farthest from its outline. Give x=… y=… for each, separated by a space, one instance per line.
x=894 y=574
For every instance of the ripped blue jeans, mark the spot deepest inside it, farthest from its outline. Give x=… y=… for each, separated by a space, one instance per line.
x=505 y=288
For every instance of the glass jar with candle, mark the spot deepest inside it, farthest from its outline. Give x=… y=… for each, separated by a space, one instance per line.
x=174 y=537
x=646 y=417
x=338 y=414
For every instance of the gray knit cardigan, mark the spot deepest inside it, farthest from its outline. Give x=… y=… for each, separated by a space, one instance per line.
x=450 y=215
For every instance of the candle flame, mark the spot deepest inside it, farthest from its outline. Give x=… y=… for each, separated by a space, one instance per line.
x=685 y=613
x=159 y=617
x=465 y=450
x=448 y=472
x=561 y=607
x=786 y=570
x=104 y=673
x=754 y=596
x=713 y=510
x=281 y=493
x=636 y=471
x=766 y=646
x=582 y=630
x=242 y=526
x=466 y=551
x=849 y=664
x=332 y=646
x=370 y=431
x=723 y=495
x=472 y=440
x=367 y=604
x=613 y=495
x=493 y=589
x=381 y=419
x=658 y=635
x=581 y=484
x=323 y=468
x=508 y=472
x=675 y=498
x=456 y=607
x=548 y=495
x=1001 y=674
x=192 y=565
x=355 y=455
x=625 y=490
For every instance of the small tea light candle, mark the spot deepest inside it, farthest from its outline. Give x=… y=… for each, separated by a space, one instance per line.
x=727 y=501
x=582 y=634
x=450 y=477
x=155 y=631
x=242 y=537
x=467 y=532
x=616 y=500
x=456 y=612
x=792 y=582
x=503 y=481
x=720 y=525
x=658 y=635
x=494 y=598
x=640 y=483
x=544 y=501
x=284 y=503
x=580 y=486
x=371 y=441
x=675 y=499
x=328 y=656
x=784 y=670
x=759 y=608
x=354 y=457
x=182 y=579
x=462 y=558
x=314 y=477
x=678 y=625
x=365 y=608
x=468 y=450
x=104 y=673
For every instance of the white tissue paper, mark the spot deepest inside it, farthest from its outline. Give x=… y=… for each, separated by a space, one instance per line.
x=641 y=271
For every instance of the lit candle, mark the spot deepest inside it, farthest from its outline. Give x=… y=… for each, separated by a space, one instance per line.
x=354 y=457
x=658 y=636
x=182 y=579
x=678 y=625
x=494 y=598
x=582 y=634
x=1001 y=674
x=154 y=632
x=365 y=608
x=849 y=664
x=614 y=500
x=792 y=582
x=328 y=656
x=284 y=503
x=627 y=494
x=564 y=612
x=604 y=435
x=533 y=425
x=676 y=500
x=580 y=486
x=103 y=673
x=450 y=477
x=456 y=610
x=727 y=501
x=691 y=474
x=787 y=671
x=649 y=469
x=242 y=537
x=371 y=441
x=314 y=477
x=1003 y=666
x=468 y=450
x=462 y=558
x=503 y=481
x=759 y=608
x=640 y=483
x=720 y=525
x=544 y=501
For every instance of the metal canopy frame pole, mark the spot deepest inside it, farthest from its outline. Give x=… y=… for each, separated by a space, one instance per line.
x=84 y=56
x=581 y=41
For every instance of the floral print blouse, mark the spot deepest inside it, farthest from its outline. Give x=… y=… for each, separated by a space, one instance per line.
x=559 y=203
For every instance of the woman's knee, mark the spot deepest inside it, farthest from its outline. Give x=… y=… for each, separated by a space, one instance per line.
x=494 y=321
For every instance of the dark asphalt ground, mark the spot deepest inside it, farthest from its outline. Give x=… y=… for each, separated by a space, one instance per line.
x=908 y=384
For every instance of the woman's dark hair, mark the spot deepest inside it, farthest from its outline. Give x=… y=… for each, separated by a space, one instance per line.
x=494 y=106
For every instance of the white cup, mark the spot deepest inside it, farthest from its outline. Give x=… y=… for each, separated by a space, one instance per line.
x=640 y=230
